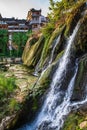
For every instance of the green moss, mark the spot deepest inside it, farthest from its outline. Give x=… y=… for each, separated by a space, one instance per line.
x=73 y=17
x=34 y=52
x=48 y=29
x=81 y=74
x=33 y=41
x=44 y=52
x=13 y=105
x=73 y=121
x=48 y=45
x=81 y=39
x=55 y=34
x=44 y=81
x=59 y=56
x=35 y=104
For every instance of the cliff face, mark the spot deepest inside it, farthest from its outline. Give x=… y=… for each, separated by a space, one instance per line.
x=80 y=52
x=45 y=53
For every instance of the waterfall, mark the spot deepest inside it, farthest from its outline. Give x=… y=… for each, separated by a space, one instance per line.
x=56 y=41
x=57 y=104
x=53 y=50
x=36 y=69
x=78 y=104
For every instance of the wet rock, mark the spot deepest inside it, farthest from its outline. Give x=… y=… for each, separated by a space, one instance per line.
x=81 y=80
x=32 y=54
x=74 y=17
x=48 y=47
x=81 y=38
x=83 y=125
x=44 y=125
x=7 y=122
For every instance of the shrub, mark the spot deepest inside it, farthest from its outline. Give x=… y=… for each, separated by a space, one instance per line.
x=7 y=85
x=13 y=105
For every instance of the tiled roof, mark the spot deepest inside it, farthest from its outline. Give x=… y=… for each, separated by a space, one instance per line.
x=34 y=10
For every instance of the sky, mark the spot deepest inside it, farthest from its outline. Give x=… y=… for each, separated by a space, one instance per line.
x=19 y=8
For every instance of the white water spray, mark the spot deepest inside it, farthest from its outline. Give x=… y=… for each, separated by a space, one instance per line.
x=52 y=115
x=51 y=58
x=53 y=50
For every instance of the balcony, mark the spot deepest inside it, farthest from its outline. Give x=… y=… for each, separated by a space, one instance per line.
x=20 y=30
x=34 y=22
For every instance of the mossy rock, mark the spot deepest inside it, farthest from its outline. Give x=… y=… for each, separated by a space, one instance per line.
x=74 y=16
x=81 y=79
x=48 y=46
x=33 y=53
x=59 y=56
x=74 y=121
x=31 y=41
x=43 y=83
x=81 y=37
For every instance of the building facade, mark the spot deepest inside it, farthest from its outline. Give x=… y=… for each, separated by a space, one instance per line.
x=35 y=19
x=14 y=25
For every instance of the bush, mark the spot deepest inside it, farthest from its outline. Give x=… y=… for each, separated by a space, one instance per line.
x=19 y=41
x=7 y=85
x=13 y=105
x=3 y=41
x=8 y=103
x=48 y=29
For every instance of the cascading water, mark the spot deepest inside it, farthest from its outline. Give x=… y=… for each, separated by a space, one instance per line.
x=78 y=104
x=53 y=50
x=54 y=111
x=56 y=41
x=36 y=69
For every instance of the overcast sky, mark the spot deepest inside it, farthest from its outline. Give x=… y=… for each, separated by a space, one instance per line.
x=19 y=8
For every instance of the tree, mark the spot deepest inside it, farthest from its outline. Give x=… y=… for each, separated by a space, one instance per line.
x=3 y=41
x=19 y=41
x=52 y=4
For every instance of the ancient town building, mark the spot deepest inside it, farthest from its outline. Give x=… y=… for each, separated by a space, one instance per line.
x=35 y=19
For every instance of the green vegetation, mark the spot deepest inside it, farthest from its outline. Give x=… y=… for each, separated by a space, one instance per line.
x=7 y=89
x=13 y=105
x=44 y=51
x=3 y=42
x=82 y=36
x=33 y=52
x=19 y=41
x=73 y=122
x=7 y=85
x=61 y=12
x=73 y=16
x=48 y=29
